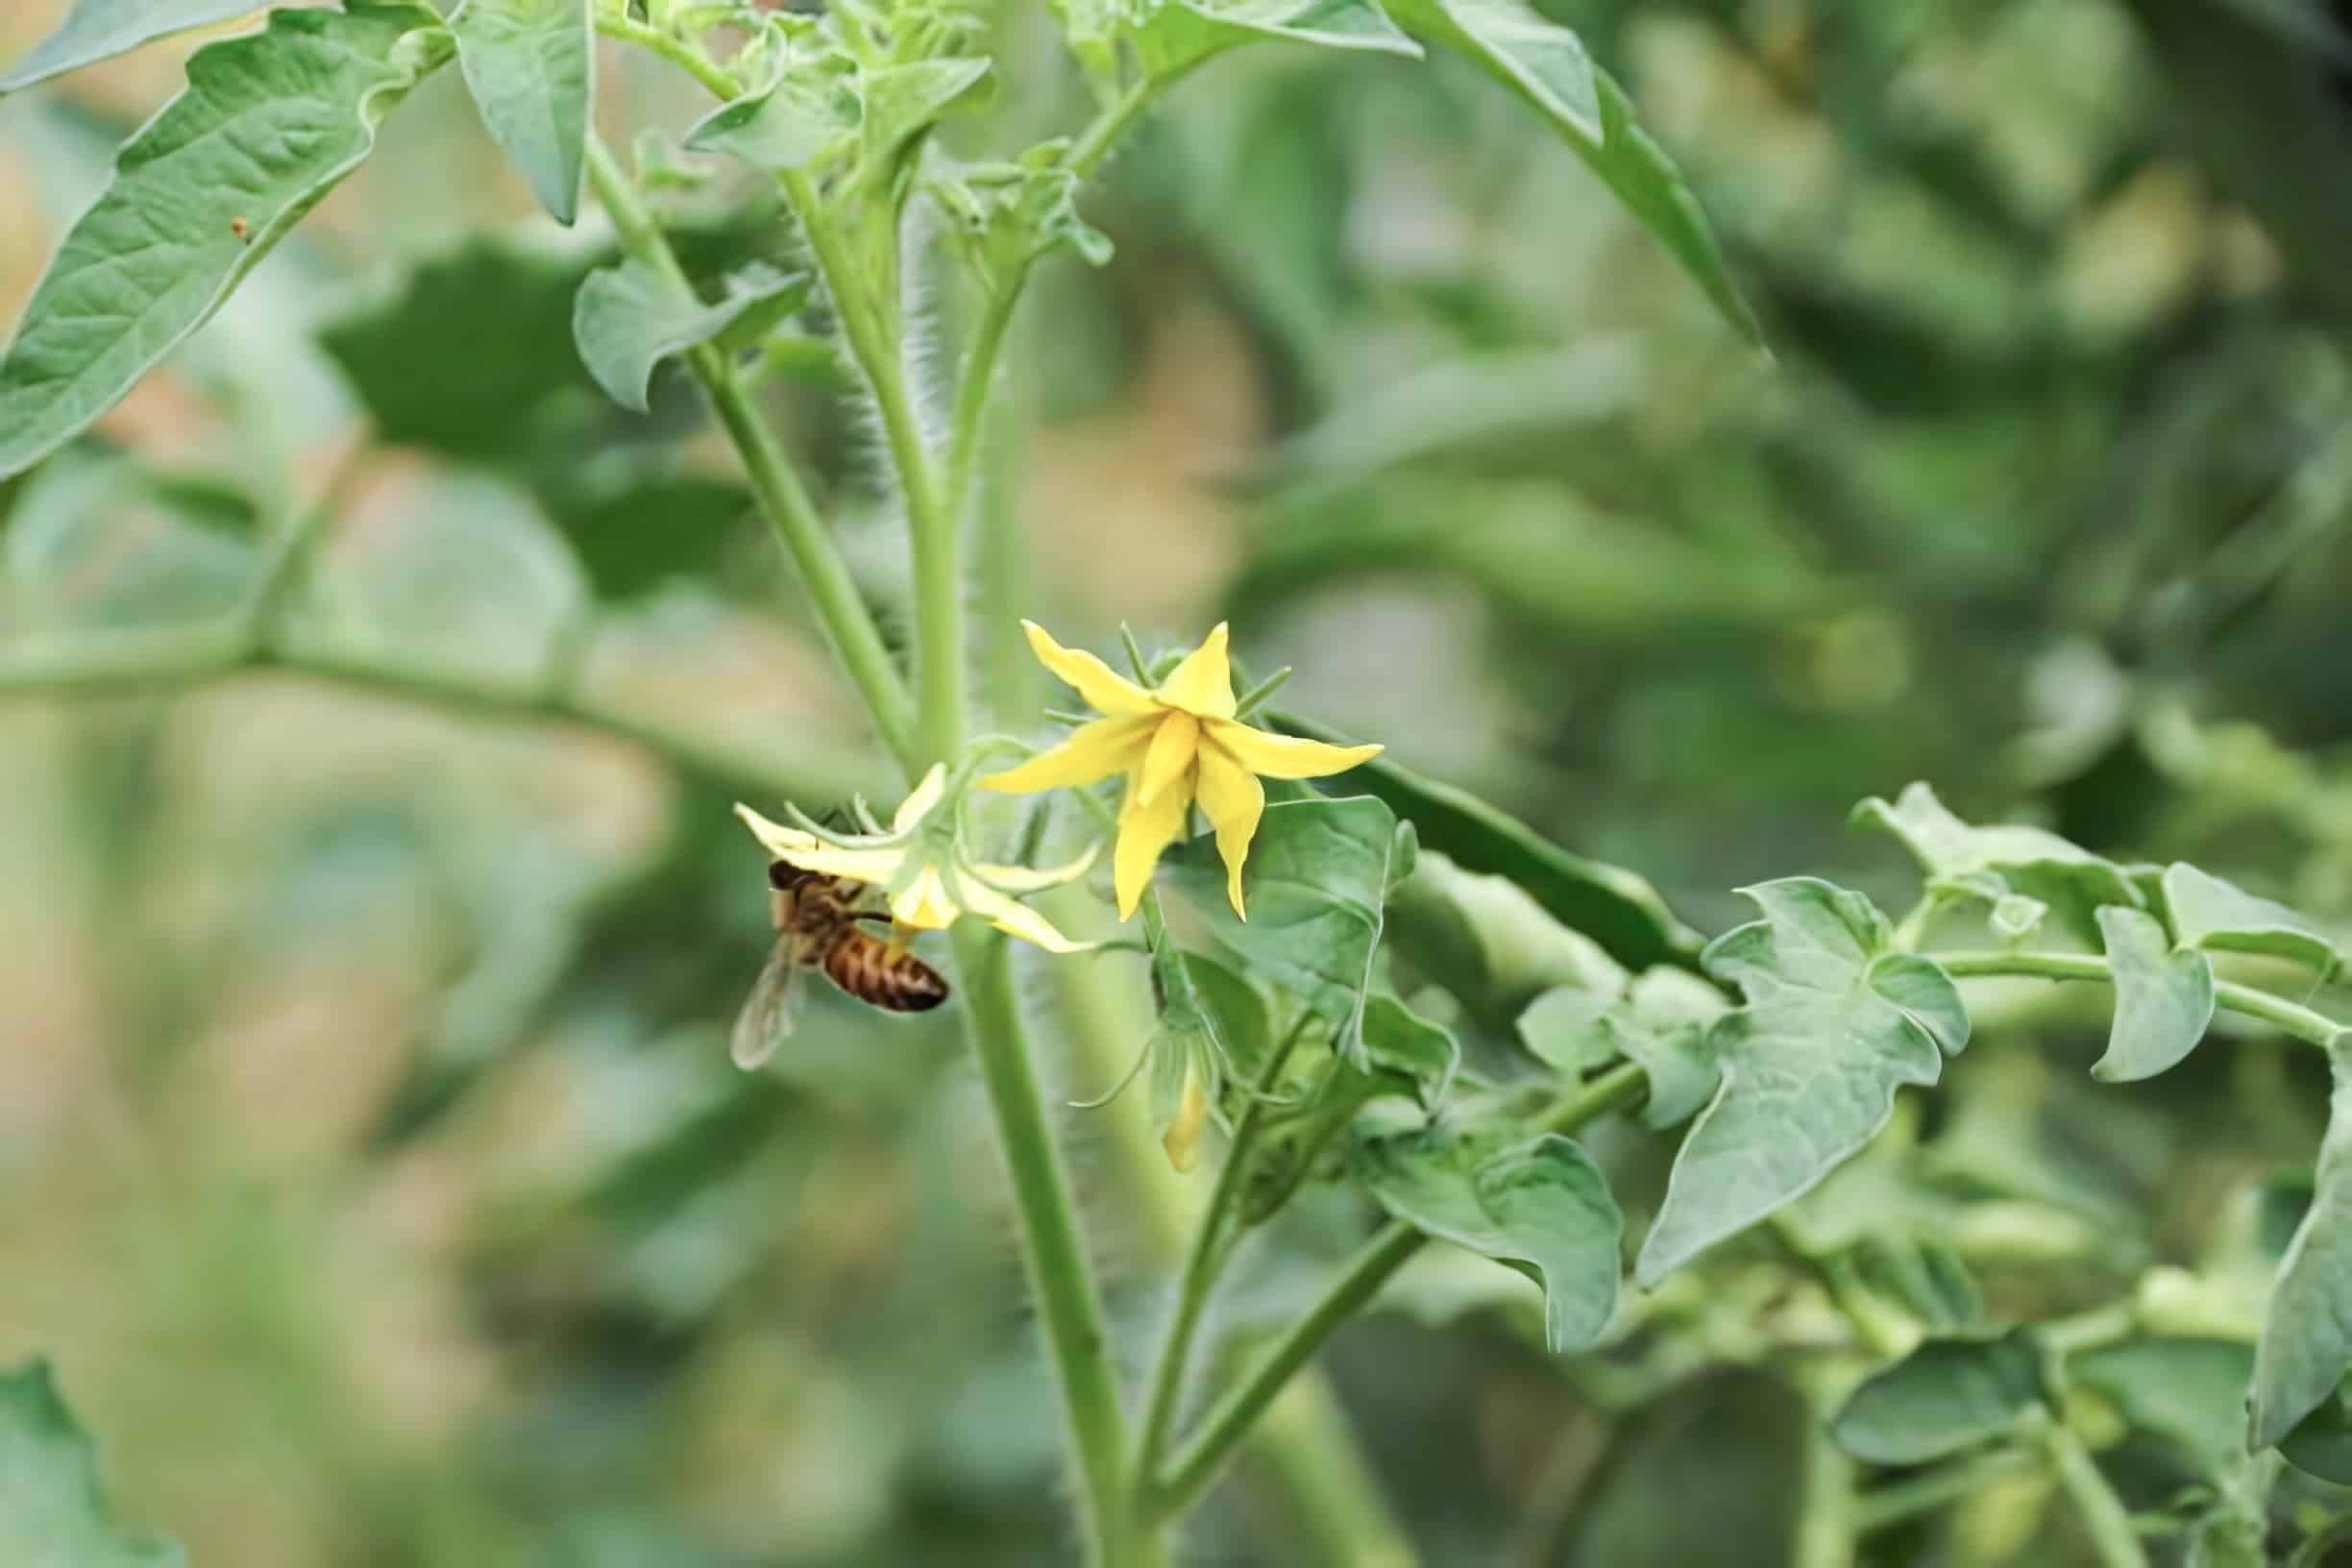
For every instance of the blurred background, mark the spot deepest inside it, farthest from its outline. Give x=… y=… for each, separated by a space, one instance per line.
x=369 y=1156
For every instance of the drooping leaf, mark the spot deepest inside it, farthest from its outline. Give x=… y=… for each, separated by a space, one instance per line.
x=1538 y=1204
x=1612 y=906
x=530 y=66
x=1547 y=66
x=2306 y=1344
x=1181 y=33
x=1947 y=1396
x=268 y=125
x=629 y=319
x=96 y=30
x=2164 y=997
x=1318 y=877
x=1004 y=216
x=1833 y=1026
x=2000 y=861
x=2216 y=916
x=53 y=1513
x=2191 y=1391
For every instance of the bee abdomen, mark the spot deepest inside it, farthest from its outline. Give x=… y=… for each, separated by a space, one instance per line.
x=879 y=976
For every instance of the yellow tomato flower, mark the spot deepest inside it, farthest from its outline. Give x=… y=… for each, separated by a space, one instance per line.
x=929 y=882
x=1177 y=744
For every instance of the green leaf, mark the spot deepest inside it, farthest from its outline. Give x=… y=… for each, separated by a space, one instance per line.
x=1667 y=1024
x=1834 y=1025
x=1005 y=216
x=1400 y=1041
x=530 y=66
x=2164 y=997
x=1319 y=875
x=1181 y=33
x=629 y=319
x=902 y=102
x=268 y=124
x=1562 y=1028
x=1923 y=1274
x=2321 y=1442
x=807 y=112
x=1488 y=942
x=95 y=29
x=1614 y=907
x=2216 y=916
x=1547 y=66
x=1996 y=862
x=1236 y=1012
x=2306 y=1344
x=2191 y=1391
x=634 y=526
x=1539 y=1205
x=1947 y=1396
x=53 y=1513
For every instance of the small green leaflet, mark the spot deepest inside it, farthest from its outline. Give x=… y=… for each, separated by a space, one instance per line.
x=627 y=319
x=53 y=1513
x=2001 y=862
x=1834 y=1025
x=1947 y=1396
x=96 y=30
x=901 y=102
x=1545 y=66
x=530 y=66
x=2164 y=997
x=2306 y=1344
x=1317 y=880
x=1538 y=1204
x=268 y=124
x=2218 y=916
x=803 y=114
x=1400 y=1042
x=1181 y=33
x=1004 y=216
x=1667 y=1023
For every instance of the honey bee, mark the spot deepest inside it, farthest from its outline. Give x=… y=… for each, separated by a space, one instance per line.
x=817 y=924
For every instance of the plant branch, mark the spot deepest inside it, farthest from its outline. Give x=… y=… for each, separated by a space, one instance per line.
x=676 y=51
x=2289 y=1018
x=1372 y=1266
x=791 y=516
x=2102 y=1512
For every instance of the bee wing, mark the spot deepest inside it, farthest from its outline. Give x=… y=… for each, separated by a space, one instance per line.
x=768 y=1014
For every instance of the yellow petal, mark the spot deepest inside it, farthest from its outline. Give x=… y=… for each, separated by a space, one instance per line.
x=1233 y=801
x=1096 y=682
x=1182 y=1139
x=877 y=866
x=1033 y=879
x=780 y=841
x=1091 y=752
x=924 y=904
x=918 y=805
x=1203 y=684
x=1017 y=919
x=1284 y=756
x=1144 y=830
x=1174 y=747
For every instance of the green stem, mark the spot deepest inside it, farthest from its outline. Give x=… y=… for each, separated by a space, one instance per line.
x=1095 y=141
x=1891 y=1505
x=1378 y=1259
x=676 y=51
x=1825 y=1532
x=2102 y=1512
x=791 y=514
x=1061 y=1278
x=2285 y=1015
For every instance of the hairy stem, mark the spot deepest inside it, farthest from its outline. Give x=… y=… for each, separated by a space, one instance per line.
x=2285 y=1015
x=1197 y=1463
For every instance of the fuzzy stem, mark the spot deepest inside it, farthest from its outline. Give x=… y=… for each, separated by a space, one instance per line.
x=784 y=500
x=2285 y=1015
x=1198 y=1462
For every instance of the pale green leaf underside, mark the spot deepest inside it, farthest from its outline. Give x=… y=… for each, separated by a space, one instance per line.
x=2019 y=867
x=2220 y=916
x=1540 y=1204
x=1182 y=34
x=627 y=319
x=2164 y=997
x=96 y=30
x=1833 y=1027
x=1545 y=66
x=2306 y=1345
x=268 y=124
x=53 y=1513
x=530 y=66
x=1945 y=1396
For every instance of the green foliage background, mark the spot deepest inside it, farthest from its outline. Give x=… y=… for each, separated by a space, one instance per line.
x=370 y=1164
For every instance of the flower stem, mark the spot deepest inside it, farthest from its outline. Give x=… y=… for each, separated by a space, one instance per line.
x=1061 y=1278
x=1197 y=1463
x=2285 y=1015
x=785 y=504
